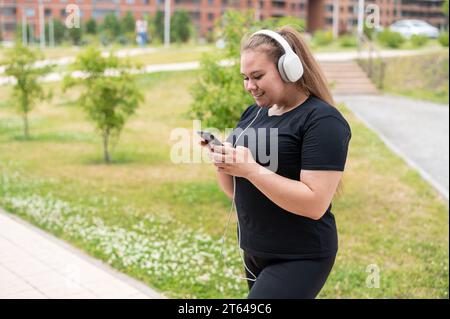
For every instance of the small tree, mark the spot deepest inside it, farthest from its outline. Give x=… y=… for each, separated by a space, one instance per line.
x=181 y=27
x=151 y=28
x=75 y=35
x=276 y=22
x=127 y=23
x=27 y=90
x=127 y=27
x=59 y=30
x=110 y=27
x=219 y=94
x=19 y=33
x=158 y=26
x=110 y=95
x=91 y=26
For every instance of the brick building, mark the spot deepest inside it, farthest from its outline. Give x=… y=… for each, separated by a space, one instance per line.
x=318 y=13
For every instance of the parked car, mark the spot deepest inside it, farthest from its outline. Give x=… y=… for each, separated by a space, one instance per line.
x=407 y=28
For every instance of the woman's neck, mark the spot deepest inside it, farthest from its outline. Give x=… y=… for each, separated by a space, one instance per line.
x=292 y=100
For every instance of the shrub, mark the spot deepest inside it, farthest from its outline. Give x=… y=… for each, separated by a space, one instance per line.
x=322 y=38
x=390 y=38
x=443 y=39
x=91 y=26
x=348 y=41
x=418 y=40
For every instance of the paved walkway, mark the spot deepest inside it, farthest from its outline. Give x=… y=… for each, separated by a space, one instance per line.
x=193 y=65
x=34 y=264
x=416 y=130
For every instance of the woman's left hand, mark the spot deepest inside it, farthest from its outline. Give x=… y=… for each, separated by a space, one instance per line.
x=237 y=161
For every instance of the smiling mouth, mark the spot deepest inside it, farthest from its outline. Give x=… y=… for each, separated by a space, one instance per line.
x=258 y=95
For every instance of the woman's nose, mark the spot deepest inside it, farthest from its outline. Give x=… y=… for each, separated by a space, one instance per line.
x=251 y=85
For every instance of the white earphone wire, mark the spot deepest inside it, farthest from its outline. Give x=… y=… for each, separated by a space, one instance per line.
x=230 y=212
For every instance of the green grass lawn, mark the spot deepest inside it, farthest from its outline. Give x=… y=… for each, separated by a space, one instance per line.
x=423 y=76
x=67 y=50
x=173 y=54
x=335 y=46
x=161 y=222
x=52 y=53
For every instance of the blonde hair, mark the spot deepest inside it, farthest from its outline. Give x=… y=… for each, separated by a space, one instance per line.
x=313 y=81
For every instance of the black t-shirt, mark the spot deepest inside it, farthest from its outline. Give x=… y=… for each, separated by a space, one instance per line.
x=312 y=136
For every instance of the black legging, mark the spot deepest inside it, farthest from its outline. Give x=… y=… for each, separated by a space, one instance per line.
x=287 y=279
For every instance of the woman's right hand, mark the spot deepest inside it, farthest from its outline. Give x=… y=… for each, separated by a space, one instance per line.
x=225 y=180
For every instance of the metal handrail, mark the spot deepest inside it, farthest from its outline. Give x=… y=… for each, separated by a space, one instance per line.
x=363 y=41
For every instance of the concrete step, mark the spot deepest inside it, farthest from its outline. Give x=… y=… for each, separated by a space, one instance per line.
x=341 y=73
x=347 y=78
x=340 y=67
x=347 y=87
x=352 y=89
x=354 y=81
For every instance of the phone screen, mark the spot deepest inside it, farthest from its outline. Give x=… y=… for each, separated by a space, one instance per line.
x=210 y=138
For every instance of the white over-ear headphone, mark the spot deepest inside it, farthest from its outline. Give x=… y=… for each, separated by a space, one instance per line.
x=289 y=64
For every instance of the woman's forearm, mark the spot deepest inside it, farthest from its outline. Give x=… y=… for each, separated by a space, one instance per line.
x=226 y=183
x=291 y=195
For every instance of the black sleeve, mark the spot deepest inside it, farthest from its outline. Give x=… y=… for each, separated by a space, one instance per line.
x=325 y=144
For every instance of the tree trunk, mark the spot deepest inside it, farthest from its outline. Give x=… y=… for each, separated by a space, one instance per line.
x=26 y=130
x=106 y=155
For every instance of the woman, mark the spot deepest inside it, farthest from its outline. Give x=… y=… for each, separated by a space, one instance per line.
x=286 y=228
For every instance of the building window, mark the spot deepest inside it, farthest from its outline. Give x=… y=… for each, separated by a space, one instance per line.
x=8 y=12
x=186 y=1
x=10 y=26
x=29 y=12
x=280 y=5
x=352 y=22
x=100 y=13
x=195 y=15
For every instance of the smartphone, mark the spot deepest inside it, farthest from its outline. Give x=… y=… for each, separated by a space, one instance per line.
x=208 y=137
